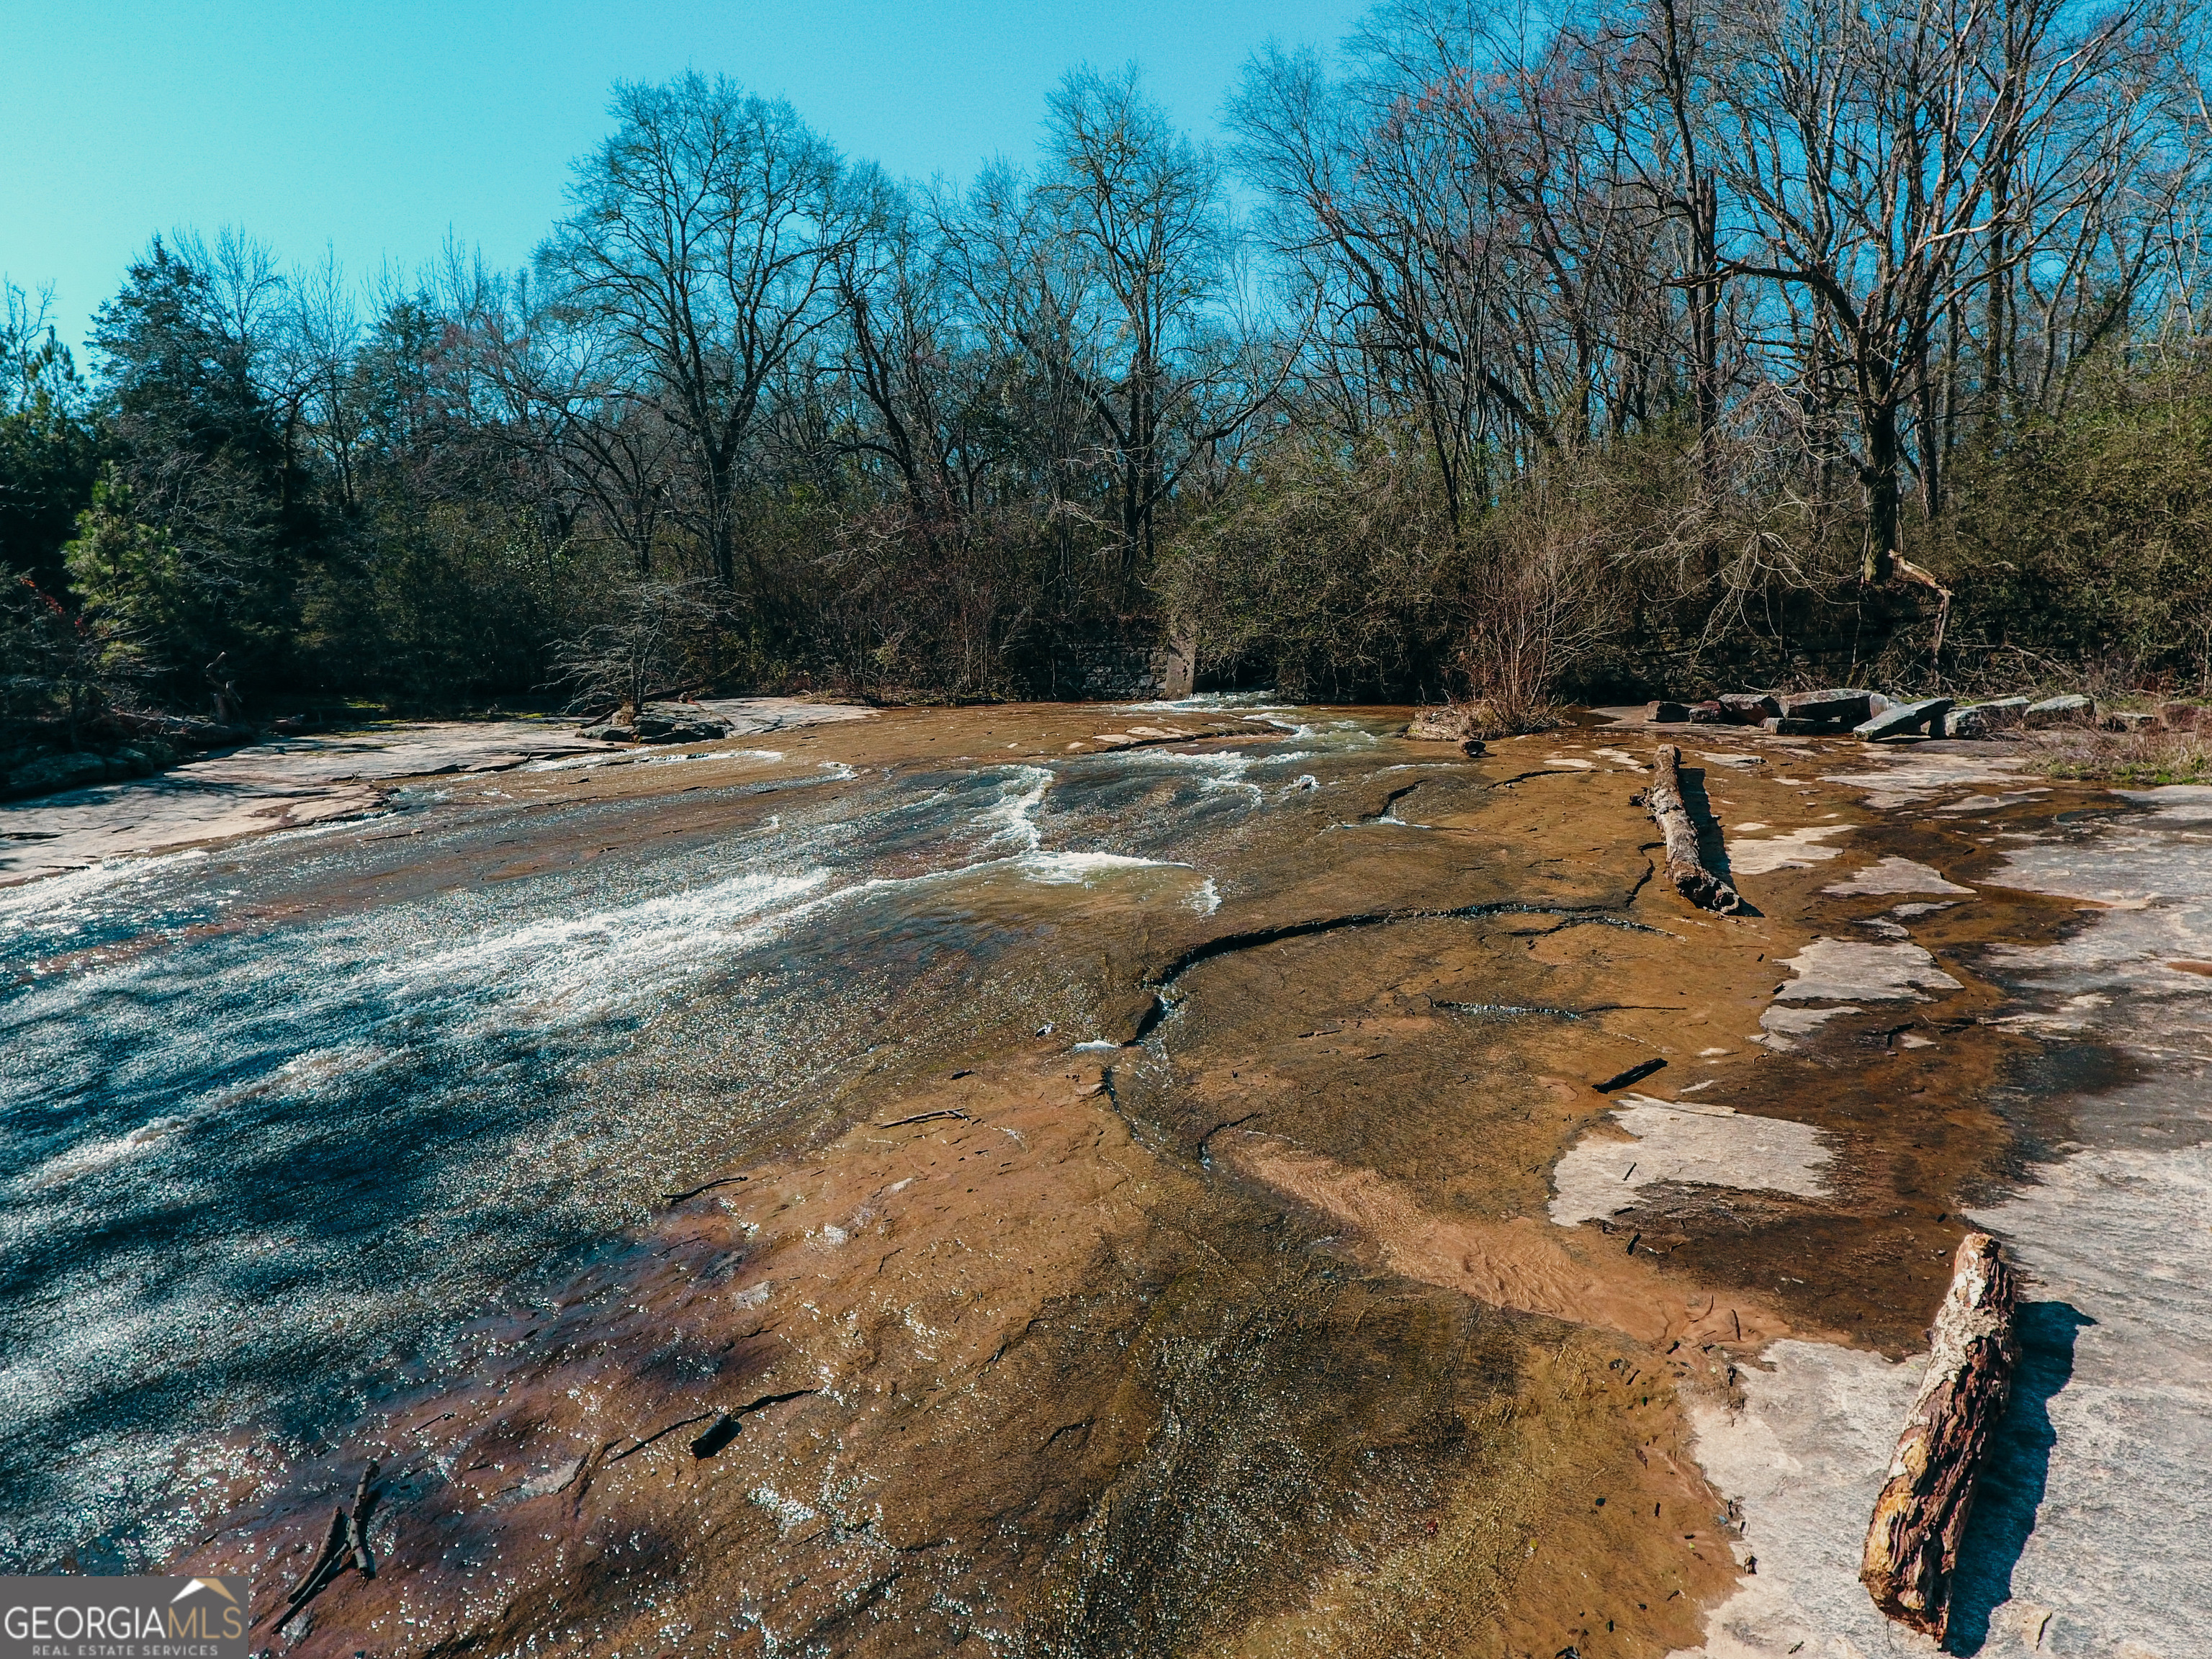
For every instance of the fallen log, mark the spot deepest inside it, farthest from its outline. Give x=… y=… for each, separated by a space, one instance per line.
x=1912 y=1543
x=1684 y=867
x=1636 y=1073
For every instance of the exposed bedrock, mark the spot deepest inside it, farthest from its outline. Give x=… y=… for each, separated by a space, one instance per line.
x=1358 y=1180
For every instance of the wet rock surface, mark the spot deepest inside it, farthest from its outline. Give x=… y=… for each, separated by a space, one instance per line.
x=1085 y=1180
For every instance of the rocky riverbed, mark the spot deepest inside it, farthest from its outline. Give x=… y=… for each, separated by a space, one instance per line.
x=1088 y=1180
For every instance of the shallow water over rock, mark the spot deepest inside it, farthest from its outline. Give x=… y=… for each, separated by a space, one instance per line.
x=1112 y=1180
x=270 y=1134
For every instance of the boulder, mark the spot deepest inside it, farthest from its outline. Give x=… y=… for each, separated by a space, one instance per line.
x=1666 y=714
x=1462 y=723
x=609 y=733
x=1970 y=722
x=2070 y=710
x=2184 y=716
x=1750 y=707
x=692 y=732
x=2000 y=713
x=1847 y=707
x=663 y=722
x=1709 y=714
x=1905 y=719
x=1790 y=727
x=2127 y=720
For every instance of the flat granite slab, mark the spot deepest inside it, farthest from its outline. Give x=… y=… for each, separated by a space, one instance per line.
x=292 y=783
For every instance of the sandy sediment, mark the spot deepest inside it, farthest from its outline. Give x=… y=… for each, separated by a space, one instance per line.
x=1518 y=1264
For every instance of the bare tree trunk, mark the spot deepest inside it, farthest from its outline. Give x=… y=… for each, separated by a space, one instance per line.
x=1878 y=481
x=1705 y=340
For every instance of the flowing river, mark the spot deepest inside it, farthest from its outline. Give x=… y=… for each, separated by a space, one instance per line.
x=274 y=1118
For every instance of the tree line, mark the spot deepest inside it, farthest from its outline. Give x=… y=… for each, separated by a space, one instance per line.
x=1493 y=353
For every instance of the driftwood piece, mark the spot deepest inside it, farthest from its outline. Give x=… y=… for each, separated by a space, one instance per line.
x=345 y=1544
x=329 y=1562
x=1912 y=1544
x=1636 y=1073
x=364 y=1499
x=1684 y=867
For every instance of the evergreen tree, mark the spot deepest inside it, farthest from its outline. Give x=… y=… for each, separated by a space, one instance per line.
x=202 y=521
x=49 y=444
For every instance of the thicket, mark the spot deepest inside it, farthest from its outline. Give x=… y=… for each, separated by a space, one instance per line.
x=1679 y=345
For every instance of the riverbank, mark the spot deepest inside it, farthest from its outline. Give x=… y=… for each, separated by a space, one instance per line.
x=292 y=783
x=1073 y=1180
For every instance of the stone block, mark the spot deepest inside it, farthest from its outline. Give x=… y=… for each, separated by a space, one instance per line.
x=1666 y=714
x=2000 y=713
x=1750 y=707
x=1907 y=718
x=2070 y=710
x=1847 y=706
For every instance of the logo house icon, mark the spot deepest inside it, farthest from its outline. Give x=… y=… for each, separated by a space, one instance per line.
x=196 y=1584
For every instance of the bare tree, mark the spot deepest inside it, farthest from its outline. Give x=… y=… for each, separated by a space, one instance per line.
x=1141 y=204
x=642 y=653
x=703 y=238
x=906 y=358
x=1892 y=162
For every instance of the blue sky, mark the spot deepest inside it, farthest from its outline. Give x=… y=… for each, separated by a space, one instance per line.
x=375 y=128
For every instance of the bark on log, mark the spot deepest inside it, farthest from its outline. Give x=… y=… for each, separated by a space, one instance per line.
x=1912 y=1545
x=1684 y=868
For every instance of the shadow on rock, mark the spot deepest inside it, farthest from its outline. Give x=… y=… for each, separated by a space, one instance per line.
x=1712 y=845
x=2012 y=1485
